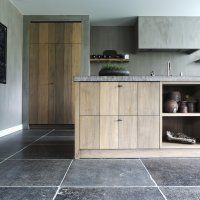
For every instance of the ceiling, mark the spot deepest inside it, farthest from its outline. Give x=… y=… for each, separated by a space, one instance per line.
x=109 y=12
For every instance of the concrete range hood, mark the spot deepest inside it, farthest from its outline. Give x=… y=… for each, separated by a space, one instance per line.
x=168 y=34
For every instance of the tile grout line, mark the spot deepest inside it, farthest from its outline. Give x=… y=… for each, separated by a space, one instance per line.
x=26 y=147
x=44 y=159
x=31 y=186
x=153 y=180
x=91 y=186
x=62 y=180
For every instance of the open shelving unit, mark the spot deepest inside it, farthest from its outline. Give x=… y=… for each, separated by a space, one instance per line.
x=187 y=123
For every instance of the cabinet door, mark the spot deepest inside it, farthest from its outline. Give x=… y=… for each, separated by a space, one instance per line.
x=148 y=131
x=109 y=132
x=109 y=98
x=89 y=132
x=89 y=98
x=148 y=98
x=127 y=98
x=128 y=132
x=55 y=57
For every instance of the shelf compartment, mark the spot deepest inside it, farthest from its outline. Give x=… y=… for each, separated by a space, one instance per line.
x=188 y=125
x=192 y=90
x=168 y=145
x=180 y=114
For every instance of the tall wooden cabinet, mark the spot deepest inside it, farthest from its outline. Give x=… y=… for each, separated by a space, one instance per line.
x=55 y=57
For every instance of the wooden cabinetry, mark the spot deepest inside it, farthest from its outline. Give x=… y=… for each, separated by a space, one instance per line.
x=148 y=98
x=148 y=132
x=118 y=132
x=128 y=132
x=115 y=103
x=109 y=132
x=134 y=131
x=148 y=111
x=55 y=55
x=89 y=98
x=89 y=132
x=109 y=98
x=112 y=117
x=128 y=100
x=118 y=101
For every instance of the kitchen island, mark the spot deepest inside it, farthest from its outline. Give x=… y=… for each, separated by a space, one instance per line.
x=122 y=117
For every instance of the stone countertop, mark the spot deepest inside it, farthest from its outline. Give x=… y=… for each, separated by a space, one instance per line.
x=135 y=78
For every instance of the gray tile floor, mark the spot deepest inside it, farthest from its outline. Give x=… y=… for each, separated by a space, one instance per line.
x=39 y=165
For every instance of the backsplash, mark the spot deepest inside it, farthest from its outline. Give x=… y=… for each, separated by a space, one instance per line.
x=141 y=63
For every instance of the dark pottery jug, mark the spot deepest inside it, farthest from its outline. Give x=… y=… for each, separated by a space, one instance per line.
x=170 y=106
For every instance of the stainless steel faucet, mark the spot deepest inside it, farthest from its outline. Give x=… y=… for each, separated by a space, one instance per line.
x=169 y=68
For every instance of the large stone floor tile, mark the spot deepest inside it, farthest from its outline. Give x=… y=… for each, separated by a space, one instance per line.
x=32 y=172
x=120 y=172
x=109 y=194
x=174 y=171
x=56 y=140
x=62 y=133
x=21 y=193
x=181 y=193
x=12 y=143
x=46 y=152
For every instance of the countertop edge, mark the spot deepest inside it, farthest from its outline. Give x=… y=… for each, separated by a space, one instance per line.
x=136 y=78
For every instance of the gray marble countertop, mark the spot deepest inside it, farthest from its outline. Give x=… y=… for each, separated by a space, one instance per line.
x=135 y=78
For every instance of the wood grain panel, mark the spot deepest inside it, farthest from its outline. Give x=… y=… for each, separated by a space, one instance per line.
x=128 y=132
x=148 y=132
x=77 y=121
x=149 y=100
x=33 y=85
x=43 y=33
x=68 y=84
x=89 y=98
x=89 y=132
x=128 y=98
x=34 y=33
x=59 y=84
x=108 y=132
x=76 y=33
x=43 y=84
x=108 y=98
x=60 y=27
x=73 y=33
x=57 y=63
x=51 y=83
x=68 y=33
x=76 y=59
x=51 y=33
x=76 y=67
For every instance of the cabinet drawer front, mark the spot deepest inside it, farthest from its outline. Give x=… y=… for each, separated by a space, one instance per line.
x=89 y=132
x=148 y=131
x=128 y=98
x=148 y=98
x=109 y=132
x=89 y=99
x=128 y=132
x=109 y=98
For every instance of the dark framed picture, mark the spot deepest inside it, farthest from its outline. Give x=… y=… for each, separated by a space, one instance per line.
x=3 y=53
